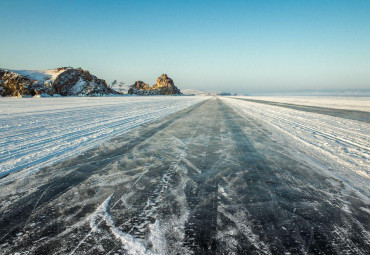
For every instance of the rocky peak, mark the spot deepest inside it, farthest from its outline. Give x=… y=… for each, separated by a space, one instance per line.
x=164 y=81
x=164 y=86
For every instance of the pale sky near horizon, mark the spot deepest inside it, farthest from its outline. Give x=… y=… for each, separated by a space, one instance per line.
x=236 y=46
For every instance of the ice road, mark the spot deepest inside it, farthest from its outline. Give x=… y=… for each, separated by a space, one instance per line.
x=218 y=177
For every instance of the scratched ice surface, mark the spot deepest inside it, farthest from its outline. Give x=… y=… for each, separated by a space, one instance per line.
x=223 y=176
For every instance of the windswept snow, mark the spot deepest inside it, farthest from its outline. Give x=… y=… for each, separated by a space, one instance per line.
x=348 y=103
x=338 y=145
x=39 y=132
x=206 y=180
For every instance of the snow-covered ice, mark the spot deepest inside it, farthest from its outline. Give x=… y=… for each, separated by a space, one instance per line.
x=262 y=179
x=348 y=103
x=341 y=146
x=36 y=132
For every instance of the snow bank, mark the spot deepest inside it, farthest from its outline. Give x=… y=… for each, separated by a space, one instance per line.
x=36 y=132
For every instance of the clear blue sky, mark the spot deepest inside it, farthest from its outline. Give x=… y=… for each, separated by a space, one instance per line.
x=241 y=46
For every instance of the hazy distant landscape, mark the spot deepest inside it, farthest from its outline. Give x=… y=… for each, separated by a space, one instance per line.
x=184 y=127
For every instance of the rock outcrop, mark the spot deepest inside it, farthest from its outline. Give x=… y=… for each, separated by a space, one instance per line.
x=65 y=81
x=139 y=88
x=164 y=86
x=79 y=82
x=13 y=84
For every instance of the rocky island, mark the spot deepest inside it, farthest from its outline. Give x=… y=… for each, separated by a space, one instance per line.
x=163 y=86
x=68 y=81
x=64 y=81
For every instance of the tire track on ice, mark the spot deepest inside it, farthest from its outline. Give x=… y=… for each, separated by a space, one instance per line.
x=133 y=239
x=310 y=127
x=21 y=209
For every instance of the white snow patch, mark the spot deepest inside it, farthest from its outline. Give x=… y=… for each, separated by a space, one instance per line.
x=156 y=238
x=46 y=75
x=77 y=88
x=131 y=244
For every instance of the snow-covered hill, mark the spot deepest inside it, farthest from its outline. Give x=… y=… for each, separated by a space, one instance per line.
x=65 y=81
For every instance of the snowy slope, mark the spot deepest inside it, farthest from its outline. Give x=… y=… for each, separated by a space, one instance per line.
x=38 y=132
x=340 y=146
x=46 y=75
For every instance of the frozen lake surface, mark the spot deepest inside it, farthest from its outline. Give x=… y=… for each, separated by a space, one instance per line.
x=336 y=102
x=218 y=176
x=37 y=132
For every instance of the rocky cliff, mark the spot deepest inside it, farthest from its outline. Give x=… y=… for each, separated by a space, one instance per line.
x=139 y=88
x=13 y=84
x=65 y=81
x=81 y=83
x=164 y=86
